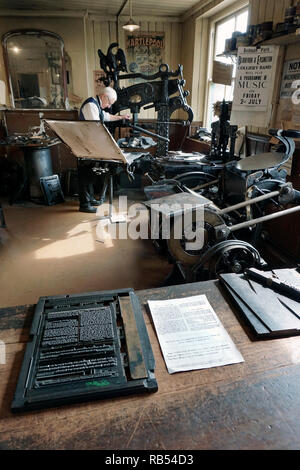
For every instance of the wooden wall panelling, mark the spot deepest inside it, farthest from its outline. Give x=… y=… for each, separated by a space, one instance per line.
x=262 y=10
x=254 y=11
x=97 y=42
x=269 y=13
x=90 y=57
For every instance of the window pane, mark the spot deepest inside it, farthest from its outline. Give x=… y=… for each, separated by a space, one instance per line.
x=242 y=22
x=223 y=31
x=229 y=93
x=217 y=92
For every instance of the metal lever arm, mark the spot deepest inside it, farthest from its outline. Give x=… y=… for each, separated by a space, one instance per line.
x=140 y=129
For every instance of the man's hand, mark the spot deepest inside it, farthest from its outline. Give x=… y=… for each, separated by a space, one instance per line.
x=119 y=118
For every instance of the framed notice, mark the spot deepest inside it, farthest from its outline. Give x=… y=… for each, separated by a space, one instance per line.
x=255 y=78
x=145 y=52
x=222 y=73
x=291 y=75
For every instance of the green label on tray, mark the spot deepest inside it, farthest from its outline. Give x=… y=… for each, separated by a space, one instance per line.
x=95 y=383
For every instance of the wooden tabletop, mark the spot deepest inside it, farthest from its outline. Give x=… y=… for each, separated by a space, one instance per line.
x=252 y=405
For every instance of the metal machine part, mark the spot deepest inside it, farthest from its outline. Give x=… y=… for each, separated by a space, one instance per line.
x=38 y=163
x=228 y=256
x=177 y=247
x=222 y=135
x=157 y=91
x=237 y=210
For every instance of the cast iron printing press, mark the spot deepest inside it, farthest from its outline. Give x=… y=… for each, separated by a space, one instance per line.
x=237 y=194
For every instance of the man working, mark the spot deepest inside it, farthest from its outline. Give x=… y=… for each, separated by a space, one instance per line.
x=93 y=110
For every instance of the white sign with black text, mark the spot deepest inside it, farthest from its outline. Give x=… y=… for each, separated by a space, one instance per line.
x=290 y=79
x=256 y=68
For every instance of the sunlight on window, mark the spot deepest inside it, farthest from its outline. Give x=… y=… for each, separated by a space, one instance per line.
x=224 y=30
x=242 y=22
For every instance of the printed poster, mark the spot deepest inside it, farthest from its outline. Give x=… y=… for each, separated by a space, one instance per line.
x=145 y=53
x=255 y=77
x=291 y=74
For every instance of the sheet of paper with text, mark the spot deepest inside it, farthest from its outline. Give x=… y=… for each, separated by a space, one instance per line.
x=191 y=335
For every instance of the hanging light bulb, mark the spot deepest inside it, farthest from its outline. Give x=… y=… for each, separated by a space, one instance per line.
x=131 y=25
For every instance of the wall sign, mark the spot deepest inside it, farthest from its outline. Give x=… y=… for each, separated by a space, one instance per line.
x=255 y=78
x=291 y=74
x=222 y=73
x=145 y=52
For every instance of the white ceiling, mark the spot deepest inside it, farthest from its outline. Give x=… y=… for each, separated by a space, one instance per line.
x=105 y=7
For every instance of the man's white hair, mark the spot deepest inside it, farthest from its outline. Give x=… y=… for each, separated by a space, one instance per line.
x=110 y=92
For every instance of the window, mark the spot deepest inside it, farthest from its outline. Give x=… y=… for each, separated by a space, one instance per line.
x=223 y=30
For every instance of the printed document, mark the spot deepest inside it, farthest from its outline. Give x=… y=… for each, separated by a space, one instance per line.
x=191 y=335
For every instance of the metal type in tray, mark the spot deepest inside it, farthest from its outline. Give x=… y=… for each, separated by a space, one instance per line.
x=85 y=347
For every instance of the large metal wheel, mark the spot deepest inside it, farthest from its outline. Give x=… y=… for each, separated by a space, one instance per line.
x=230 y=256
x=195 y=180
x=177 y=247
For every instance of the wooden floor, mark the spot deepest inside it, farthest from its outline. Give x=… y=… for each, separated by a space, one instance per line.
x=56 y=250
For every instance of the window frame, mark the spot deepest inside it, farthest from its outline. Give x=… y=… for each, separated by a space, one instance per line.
x=214 y=23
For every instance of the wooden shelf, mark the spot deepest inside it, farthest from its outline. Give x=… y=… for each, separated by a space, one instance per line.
x=284 y=40
x=228 y=54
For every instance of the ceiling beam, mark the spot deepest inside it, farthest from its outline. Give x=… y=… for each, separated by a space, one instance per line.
x=49 y=13
x=90 y=14
x=195 y=9
x=154 y=19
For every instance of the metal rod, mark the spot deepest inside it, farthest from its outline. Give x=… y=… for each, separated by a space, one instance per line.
x=249 y=202
x=206 y=185
x=266 y=218
x=168 y=122
x=149 y=133
x=122 y=8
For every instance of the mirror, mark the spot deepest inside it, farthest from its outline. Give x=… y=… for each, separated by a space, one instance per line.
x=36 y=69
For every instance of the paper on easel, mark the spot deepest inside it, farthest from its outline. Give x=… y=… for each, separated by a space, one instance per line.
x=191 y=335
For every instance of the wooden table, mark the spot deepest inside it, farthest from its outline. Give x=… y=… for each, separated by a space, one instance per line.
x=252 y=405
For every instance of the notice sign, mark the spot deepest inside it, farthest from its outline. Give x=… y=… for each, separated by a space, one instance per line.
x=256 y=68
x=291 y=74
x=144 y=52
x=222 y=73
